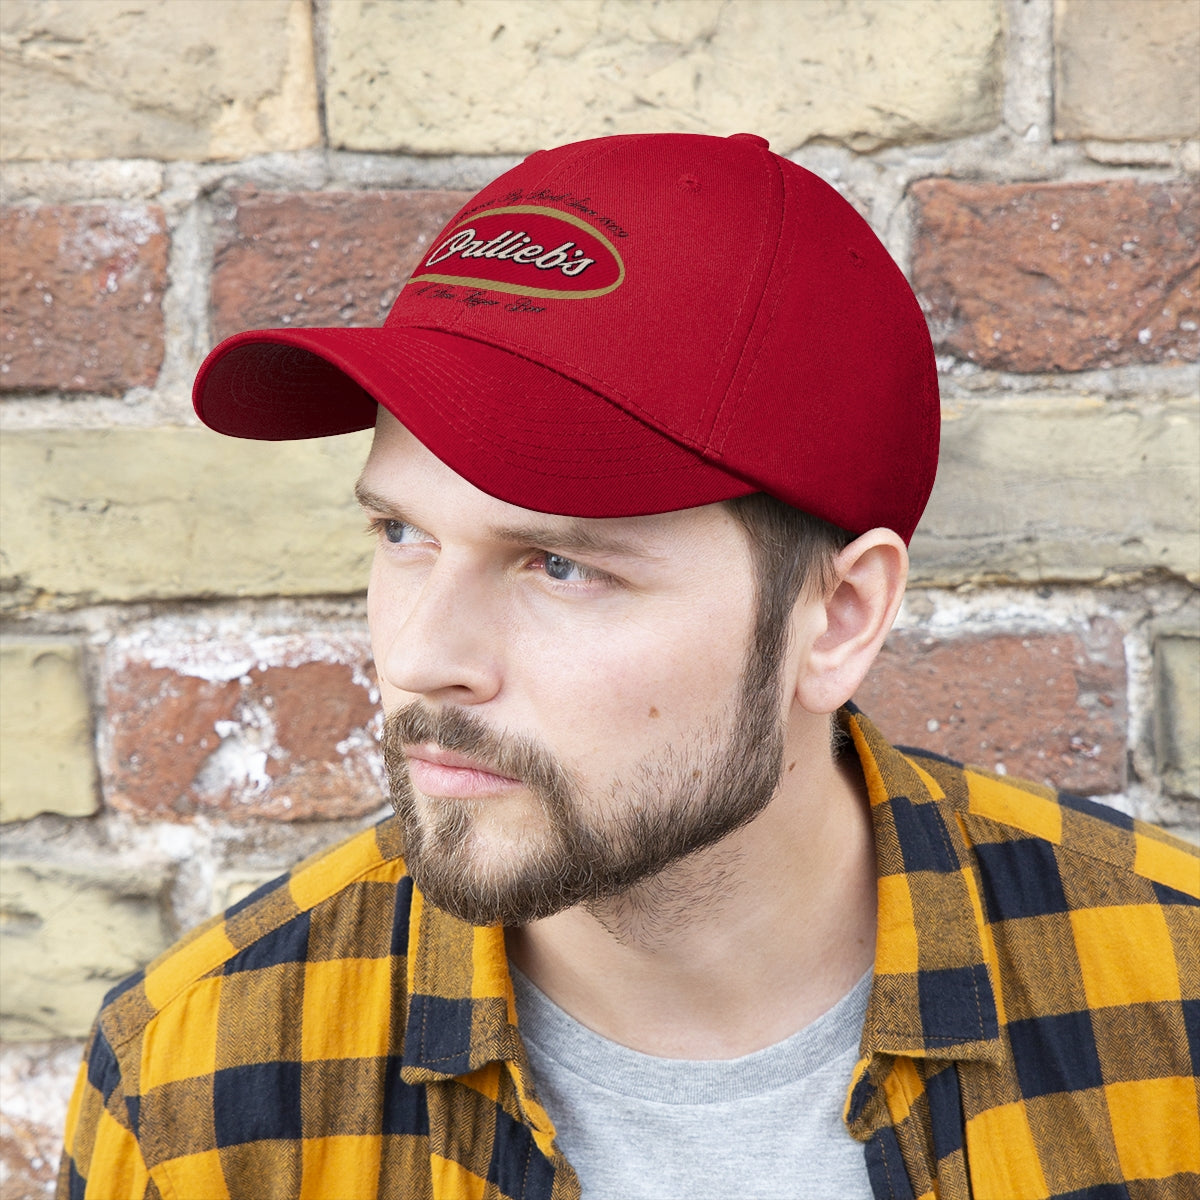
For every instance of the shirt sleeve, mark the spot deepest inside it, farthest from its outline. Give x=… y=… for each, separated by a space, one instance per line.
x=102 y=1159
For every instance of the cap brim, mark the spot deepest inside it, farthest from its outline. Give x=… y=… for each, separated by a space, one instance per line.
x=515 y=429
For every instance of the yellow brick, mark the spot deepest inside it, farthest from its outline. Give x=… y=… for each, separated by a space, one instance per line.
x=513 y=75
x=131 y=514
x=1126 y=69
x=1051 y=487
x=185 y=79
x=67 y=935
x=1177 y=710
x=46 y=758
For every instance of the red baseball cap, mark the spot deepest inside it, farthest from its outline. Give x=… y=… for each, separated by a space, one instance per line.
x=630 y=325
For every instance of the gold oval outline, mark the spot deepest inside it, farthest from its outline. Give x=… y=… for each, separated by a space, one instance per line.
x=521 y=289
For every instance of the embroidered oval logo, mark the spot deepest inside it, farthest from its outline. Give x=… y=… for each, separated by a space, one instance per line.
x=527 y=250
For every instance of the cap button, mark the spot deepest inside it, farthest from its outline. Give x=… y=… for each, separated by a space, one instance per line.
x=757 y=139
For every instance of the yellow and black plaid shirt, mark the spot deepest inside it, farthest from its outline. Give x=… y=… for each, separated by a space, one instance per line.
x=1033 y=1028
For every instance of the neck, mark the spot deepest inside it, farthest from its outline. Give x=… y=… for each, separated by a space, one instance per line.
x=739 y=945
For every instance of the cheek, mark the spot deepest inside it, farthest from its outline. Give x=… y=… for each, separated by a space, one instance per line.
x=632 y=688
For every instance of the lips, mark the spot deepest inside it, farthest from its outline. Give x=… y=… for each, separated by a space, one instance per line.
x=445 y=773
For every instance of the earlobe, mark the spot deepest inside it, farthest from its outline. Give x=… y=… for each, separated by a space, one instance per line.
x=838 y=635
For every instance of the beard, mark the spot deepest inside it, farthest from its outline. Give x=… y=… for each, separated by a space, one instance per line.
x=586 y=848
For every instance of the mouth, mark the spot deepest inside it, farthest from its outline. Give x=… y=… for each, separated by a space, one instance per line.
x=447 y=774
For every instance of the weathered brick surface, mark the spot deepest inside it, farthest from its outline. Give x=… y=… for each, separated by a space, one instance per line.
x=140 y=524
x=287 y=734
x=325 y=258
x=47 y=762
x=1126 y=69
x=81 y=297
x=35 y=1082
x=1177 y=710
x=124 y=514
x=1048 y=488
x=184 y=79
x=1030 y=490
x=29 y=1156
x=1043 y=706
x=230 y=886
x=68 y=934
x=509 y=76
x=1059 y=277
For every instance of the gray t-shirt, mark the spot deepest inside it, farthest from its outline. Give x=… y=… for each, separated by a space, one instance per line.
x=764 y=1127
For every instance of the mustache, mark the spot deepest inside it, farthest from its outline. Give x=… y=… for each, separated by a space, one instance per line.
x=460 y=731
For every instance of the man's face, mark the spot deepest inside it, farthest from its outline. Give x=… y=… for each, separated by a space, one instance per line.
x=566 y=714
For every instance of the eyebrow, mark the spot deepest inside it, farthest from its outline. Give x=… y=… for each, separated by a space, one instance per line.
x=367 y=498
x=577 y=536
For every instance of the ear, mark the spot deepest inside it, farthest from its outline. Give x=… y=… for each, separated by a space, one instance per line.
x=838 y=635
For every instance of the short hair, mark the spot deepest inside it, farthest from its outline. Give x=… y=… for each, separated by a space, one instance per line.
x=792 y=552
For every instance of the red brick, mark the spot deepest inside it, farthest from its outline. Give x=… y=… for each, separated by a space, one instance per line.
x=1059 y=277
x=81 y=291
x=288 y=740
x=1047 y=706
x=322 y=258
x=36 y=1080
x=28 y=1158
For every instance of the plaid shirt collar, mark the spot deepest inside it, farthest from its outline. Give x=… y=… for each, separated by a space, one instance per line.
x=932 y=994
x=461 y=1013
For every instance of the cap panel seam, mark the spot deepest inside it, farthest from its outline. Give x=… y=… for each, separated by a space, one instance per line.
x=563 y=172
x=539 y=355
x=718 y=446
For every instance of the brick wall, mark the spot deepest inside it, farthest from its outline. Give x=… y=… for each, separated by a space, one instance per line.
x=188 y=699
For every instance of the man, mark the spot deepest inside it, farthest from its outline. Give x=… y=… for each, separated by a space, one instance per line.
x=660 y=914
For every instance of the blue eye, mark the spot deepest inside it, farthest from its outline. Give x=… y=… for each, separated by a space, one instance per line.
x=399 y=532
x=560 y=568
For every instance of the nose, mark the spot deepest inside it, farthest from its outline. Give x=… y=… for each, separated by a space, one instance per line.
x=438 y=637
